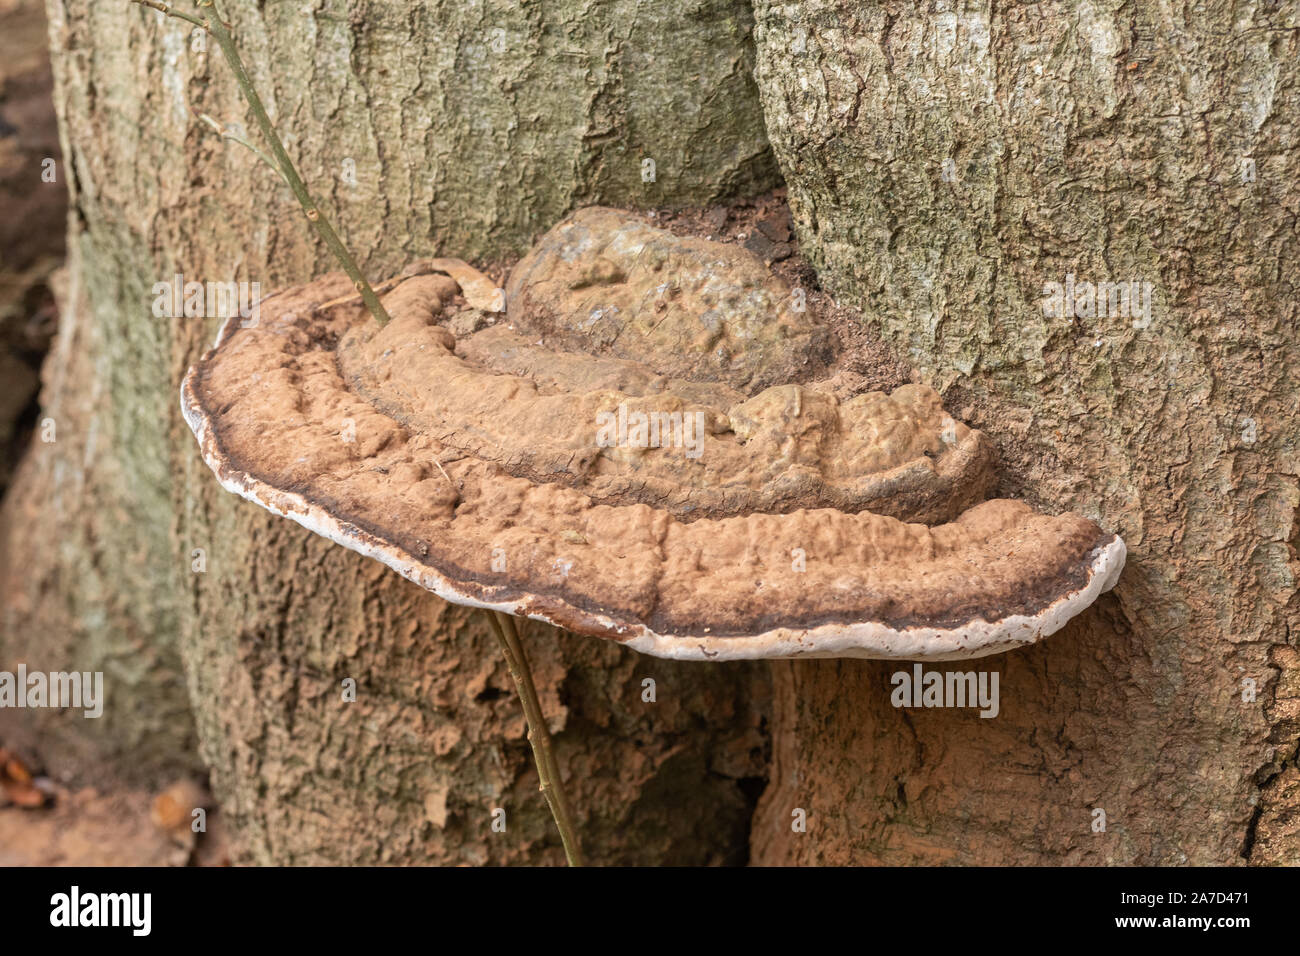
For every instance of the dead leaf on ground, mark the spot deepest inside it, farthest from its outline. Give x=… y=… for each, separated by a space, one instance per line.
x=17 y=784
x=173 y=810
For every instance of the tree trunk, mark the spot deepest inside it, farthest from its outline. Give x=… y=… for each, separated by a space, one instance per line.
x=31 y=231
x=428 y=128
x=945 y=163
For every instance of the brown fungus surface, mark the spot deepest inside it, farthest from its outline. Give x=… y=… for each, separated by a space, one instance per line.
x=616 y=479
x=603 y=281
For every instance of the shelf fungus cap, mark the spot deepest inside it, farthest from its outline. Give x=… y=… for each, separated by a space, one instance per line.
x=518 y=462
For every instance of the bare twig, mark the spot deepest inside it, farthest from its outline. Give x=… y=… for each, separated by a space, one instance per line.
x=444 y=472
x=225 y=132
x=220 y=32
x=548 y=771
x=169 y=10
x=386 y=286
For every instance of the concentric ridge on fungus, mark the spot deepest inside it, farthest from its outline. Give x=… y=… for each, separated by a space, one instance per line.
x=461 y=449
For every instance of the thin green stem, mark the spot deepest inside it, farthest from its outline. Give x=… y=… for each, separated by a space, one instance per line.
x=220 y=32
x=548 y=771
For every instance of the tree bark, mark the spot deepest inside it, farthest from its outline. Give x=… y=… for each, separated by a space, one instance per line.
x=1111 y=142
x=470 y=128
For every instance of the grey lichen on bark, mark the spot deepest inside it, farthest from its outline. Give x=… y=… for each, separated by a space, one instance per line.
x=945 y=163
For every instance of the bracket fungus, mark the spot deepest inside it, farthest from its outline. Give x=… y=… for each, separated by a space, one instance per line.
x=611 y=457
x=645 y=447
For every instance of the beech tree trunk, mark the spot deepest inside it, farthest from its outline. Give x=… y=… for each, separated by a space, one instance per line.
x=945 y=163
x=426 y=128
